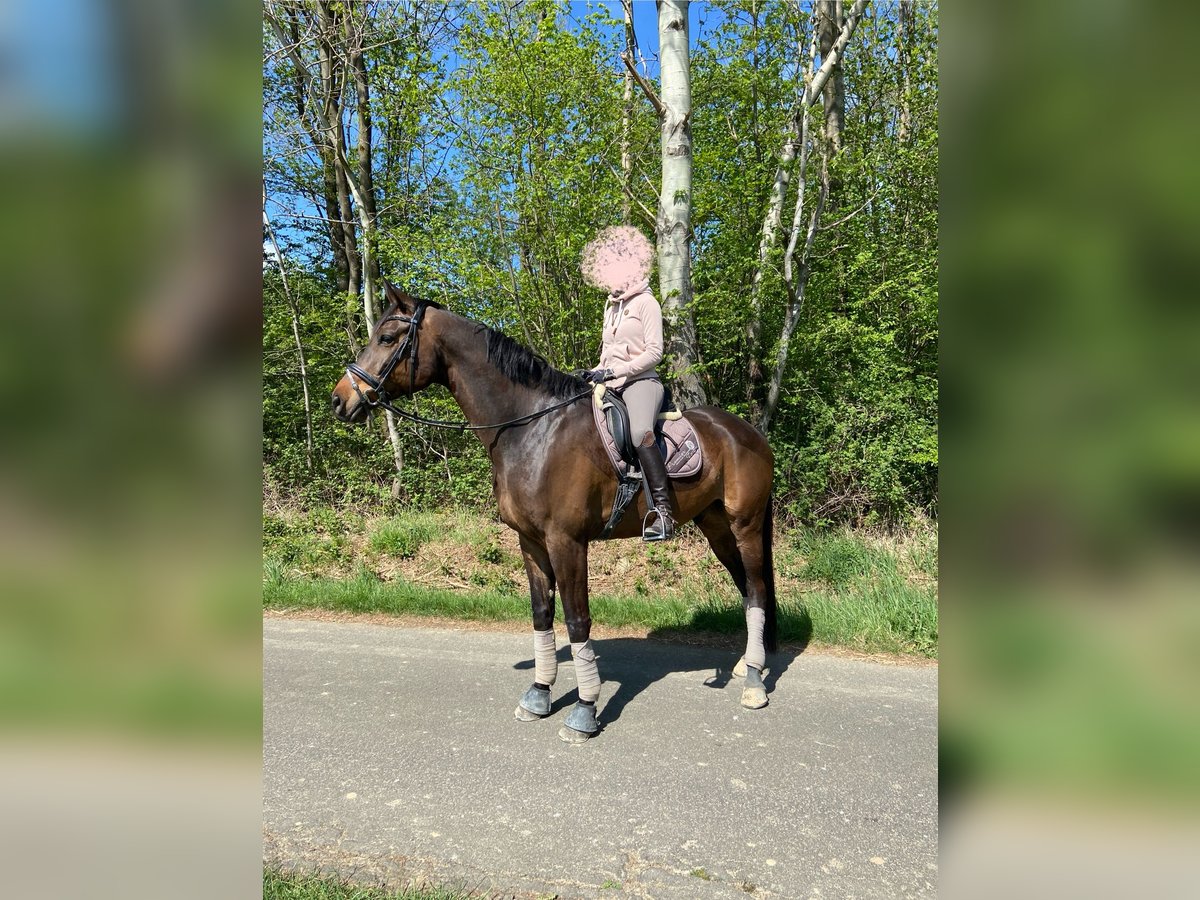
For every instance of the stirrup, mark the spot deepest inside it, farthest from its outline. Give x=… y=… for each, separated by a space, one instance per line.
x=665 y=526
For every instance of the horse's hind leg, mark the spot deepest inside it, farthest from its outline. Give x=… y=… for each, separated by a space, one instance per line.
x=535 y=702
x=715 y=525
x=754 y=552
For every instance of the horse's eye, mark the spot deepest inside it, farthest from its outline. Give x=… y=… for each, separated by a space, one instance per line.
x=387 y=339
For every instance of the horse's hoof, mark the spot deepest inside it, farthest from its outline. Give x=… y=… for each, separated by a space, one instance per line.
x=739 y=671
x=534 y=705
x=754 y=697
x=571 y=736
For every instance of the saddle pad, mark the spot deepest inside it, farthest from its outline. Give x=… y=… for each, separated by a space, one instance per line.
x=684 y=458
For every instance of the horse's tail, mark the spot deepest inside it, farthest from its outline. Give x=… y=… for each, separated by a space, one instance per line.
x=771 y=625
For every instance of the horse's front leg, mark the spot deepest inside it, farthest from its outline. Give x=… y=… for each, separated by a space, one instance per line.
x=569 y=559
x=535 y=702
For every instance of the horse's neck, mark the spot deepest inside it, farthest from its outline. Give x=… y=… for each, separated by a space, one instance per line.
x=484 y=395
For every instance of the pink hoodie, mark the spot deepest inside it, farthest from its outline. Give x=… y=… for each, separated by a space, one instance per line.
x=632 y=341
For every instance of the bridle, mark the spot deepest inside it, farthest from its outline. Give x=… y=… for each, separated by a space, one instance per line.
x=408 y=347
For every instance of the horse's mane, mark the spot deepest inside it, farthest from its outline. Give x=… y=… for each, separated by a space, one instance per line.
x=520 y=365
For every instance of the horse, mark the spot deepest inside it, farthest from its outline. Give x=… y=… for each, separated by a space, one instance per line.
x=554 y=483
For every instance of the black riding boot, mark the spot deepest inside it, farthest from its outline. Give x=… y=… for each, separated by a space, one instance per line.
x=655 y=471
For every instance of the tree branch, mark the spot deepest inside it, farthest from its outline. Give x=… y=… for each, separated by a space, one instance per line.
x=846 y=218
x=645 y=210
x=646 y=87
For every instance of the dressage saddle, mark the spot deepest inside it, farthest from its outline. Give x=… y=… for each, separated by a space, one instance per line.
x=616 y=414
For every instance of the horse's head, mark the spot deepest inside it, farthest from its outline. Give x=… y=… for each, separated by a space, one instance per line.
x=394 y=362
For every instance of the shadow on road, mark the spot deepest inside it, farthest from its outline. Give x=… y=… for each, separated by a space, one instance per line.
x=636 y=663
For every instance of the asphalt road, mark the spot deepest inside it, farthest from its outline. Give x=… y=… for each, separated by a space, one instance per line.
x=392 y=754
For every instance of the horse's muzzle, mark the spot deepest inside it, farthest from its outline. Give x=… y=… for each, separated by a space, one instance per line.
x=348 y=406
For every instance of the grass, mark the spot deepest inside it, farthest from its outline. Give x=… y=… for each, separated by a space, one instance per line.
x=279 y=885
x=403 y=537
x=866 y=591
x=871 y=595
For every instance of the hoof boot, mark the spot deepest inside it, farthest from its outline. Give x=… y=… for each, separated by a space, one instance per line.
x=580 y=725
x=534 y=705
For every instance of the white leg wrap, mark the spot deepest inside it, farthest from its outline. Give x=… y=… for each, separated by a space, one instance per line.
x=755 y=654
x=587 y=673
x=545 y=658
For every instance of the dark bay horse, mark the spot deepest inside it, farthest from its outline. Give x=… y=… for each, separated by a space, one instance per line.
x=555 y=485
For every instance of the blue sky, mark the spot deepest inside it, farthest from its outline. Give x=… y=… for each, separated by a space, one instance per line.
x=58 y=78
x=701 y=16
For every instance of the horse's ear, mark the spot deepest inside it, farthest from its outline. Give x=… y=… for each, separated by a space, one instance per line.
x=397 y=296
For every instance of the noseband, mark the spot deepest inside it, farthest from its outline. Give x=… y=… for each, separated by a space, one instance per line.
x=407 y=347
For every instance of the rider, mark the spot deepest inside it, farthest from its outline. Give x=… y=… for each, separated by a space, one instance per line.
x=618 y=260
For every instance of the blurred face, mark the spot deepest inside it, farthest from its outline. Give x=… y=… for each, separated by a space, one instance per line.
x=617 y=259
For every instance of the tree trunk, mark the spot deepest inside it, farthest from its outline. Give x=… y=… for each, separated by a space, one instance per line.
x=766 y=243
x=366 y=179
x=830 y=23
x=830 y=19
x=627 y=117
x=335 y=143
x=362 y=188
x=675 y=203
x=795 y=300
x=904 y=15
x=333 y=229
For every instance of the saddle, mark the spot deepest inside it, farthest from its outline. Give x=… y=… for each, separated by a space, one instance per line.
x=674 y=434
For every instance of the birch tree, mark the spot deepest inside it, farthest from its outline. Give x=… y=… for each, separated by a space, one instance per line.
x=675 y=200
x=815 y=83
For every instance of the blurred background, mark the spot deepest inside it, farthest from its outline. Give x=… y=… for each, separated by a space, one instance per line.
x=130 y=488
x=1070 y=387
x=130 y=661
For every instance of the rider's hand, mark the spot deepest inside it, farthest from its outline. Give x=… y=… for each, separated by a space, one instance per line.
x=596 y=376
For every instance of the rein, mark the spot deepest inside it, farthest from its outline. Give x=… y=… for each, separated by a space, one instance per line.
x=408 y=347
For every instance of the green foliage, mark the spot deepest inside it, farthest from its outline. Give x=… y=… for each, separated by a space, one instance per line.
x=315 y=541
x=498 y=154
